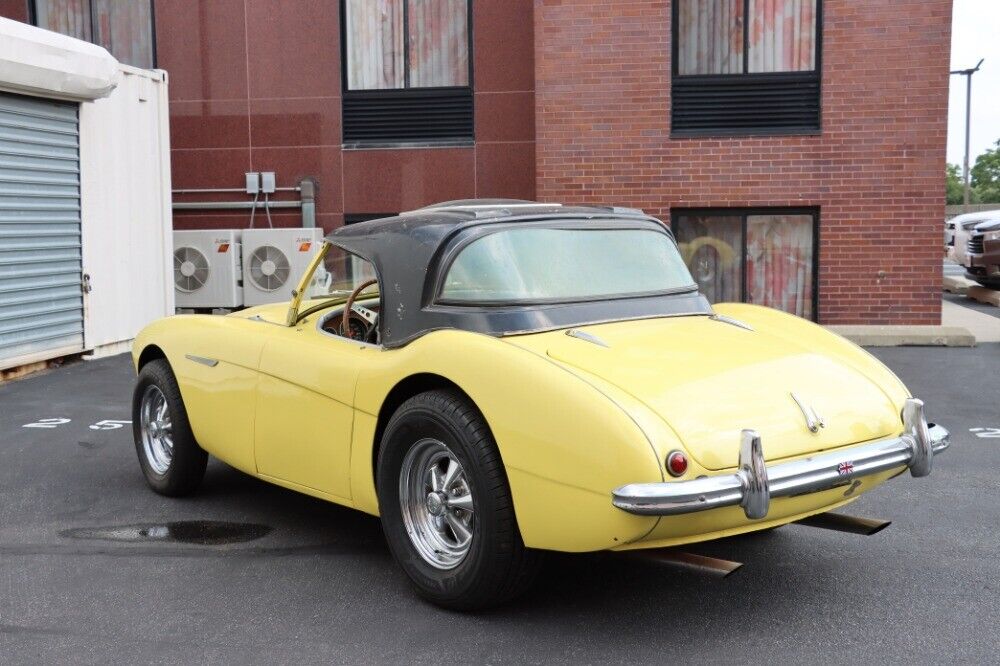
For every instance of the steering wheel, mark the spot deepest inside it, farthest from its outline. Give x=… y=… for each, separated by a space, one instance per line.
x=345 y=326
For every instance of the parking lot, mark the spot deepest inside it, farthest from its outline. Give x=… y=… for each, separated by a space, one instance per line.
x=93 y=567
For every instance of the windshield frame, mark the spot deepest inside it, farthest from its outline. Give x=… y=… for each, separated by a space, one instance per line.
x=472 y=234
x=293 y=317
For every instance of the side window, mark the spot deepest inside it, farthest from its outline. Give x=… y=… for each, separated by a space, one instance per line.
x=344 y=273
x=766 y=256
x=358 y=266
x=407 y=71
x=123 y=27
x=348 y=275
x=745 y=67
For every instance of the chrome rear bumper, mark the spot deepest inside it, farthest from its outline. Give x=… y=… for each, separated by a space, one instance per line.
x=755 y=483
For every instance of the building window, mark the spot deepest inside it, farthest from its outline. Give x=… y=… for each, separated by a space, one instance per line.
x=407 y=71
x=765 y=256
x=123 y=27
x=746 y=67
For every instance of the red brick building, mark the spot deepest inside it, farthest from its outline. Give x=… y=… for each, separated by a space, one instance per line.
x=797 y=147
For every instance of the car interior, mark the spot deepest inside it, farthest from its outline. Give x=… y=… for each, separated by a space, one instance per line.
x=361 y=325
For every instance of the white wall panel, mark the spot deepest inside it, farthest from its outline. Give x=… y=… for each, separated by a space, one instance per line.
x=126 y=221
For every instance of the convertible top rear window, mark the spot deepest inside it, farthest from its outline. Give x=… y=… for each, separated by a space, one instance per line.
x=563 y=265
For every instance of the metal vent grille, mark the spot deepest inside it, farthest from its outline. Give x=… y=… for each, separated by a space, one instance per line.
x=269 y=268
x=746 y=104
x=976 y=244
x=190 y=269
x=412 y=115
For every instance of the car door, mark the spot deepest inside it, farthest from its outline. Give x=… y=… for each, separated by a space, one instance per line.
x=305 y=408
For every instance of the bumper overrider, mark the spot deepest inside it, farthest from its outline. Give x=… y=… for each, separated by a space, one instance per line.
x=754 y=483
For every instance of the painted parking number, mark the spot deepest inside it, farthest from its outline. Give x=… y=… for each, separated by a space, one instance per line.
x=109 y=424
x=46 y=423
x=105 y=424
x=986 y=433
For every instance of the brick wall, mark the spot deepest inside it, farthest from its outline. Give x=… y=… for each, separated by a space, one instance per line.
x=14 y=9
x=876 y=171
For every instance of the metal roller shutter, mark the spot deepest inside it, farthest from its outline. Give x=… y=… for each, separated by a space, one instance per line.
x=41 y=302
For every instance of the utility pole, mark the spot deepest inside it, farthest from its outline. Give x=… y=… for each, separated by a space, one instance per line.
x=967 y=73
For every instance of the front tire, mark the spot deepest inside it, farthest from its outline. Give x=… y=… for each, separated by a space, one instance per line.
x=169 y=456
x=446 y=506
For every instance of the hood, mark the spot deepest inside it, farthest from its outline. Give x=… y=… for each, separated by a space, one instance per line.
x=709 y=380
x=272 y=312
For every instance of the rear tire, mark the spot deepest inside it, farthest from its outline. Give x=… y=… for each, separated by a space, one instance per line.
x=169 y=456
x=446 y=505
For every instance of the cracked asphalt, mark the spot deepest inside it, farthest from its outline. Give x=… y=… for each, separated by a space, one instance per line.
x=320 y=586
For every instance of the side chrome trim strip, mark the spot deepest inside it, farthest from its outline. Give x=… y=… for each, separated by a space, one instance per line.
x=210 y=362
x=754 y=483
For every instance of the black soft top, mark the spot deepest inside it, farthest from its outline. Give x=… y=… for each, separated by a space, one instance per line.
x=409 y=251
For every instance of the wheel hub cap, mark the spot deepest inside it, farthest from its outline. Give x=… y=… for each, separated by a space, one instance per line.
x=435 y=497
x=435 y=504
x=155 y=430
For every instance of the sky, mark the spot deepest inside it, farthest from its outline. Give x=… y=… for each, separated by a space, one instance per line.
x=975 y=34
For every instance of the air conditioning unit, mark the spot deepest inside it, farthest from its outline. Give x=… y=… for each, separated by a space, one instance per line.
x=274 y=260
x=207 y=269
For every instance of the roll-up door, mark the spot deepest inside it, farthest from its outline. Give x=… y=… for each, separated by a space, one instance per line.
x=41 y=302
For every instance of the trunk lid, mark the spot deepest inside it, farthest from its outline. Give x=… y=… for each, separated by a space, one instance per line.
x=709 y=380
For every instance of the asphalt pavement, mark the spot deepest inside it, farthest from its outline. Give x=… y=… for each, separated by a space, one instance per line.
x=95 y=568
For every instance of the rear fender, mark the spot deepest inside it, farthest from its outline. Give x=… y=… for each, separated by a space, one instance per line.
x=564 y=442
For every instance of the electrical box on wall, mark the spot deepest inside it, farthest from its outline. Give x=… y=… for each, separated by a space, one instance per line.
x=267 y=182
x=253 y=182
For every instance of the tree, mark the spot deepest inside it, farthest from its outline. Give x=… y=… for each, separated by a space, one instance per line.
x=954 y=189
x=986 y=175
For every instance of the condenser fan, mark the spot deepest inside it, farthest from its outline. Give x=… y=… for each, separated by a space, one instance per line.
x=268 y=268
x=190 y=269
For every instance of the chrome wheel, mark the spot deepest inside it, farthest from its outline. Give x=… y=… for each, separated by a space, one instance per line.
x=156 y=430
x=436 y=502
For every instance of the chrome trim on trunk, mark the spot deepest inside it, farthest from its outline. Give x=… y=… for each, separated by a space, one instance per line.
x=584 y=335
x=754 y=483
x=731 y=321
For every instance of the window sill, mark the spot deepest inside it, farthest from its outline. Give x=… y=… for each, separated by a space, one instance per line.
x=736 y=133
x=409 y=145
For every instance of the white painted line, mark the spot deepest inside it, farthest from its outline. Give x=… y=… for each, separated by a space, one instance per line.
x=986 y=433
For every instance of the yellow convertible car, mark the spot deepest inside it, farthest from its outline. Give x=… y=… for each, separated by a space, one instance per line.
x=495 y=379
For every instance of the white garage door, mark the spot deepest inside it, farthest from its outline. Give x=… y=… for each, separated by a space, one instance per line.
x=41 y=303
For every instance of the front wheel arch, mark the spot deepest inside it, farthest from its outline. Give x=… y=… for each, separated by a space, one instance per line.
x=150 y=353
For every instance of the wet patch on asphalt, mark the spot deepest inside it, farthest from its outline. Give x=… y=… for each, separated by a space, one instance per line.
x=200 y=532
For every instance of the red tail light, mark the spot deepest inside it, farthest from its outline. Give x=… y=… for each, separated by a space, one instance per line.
x=677 y=463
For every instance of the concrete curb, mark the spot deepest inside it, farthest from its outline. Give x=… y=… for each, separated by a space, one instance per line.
x=902 y=336
x=956 y=284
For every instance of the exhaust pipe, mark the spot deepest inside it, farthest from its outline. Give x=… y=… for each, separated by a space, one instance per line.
x=702 y=564
x=844 y=523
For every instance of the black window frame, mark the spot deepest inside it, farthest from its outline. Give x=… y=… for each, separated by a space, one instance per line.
x=439 y=116
x=751 y=89
x=743 y=214
x=33 y=20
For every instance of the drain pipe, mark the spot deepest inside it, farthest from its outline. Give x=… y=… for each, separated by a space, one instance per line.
x=307 y=194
